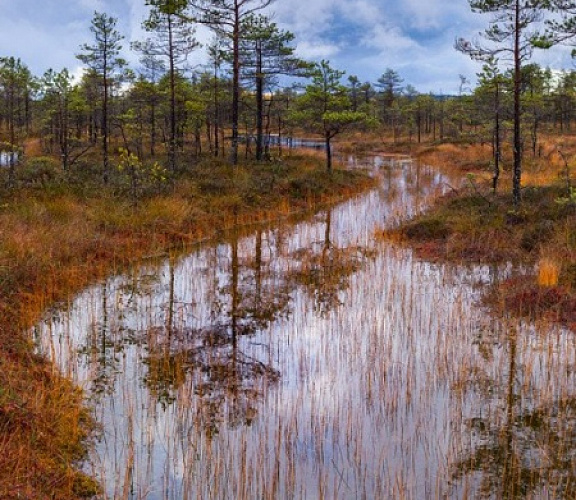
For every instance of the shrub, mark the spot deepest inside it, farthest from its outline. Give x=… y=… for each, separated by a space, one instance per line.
x=41 y=170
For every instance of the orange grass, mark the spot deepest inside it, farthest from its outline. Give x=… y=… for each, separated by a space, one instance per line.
x=473 y=224
x=52 y=245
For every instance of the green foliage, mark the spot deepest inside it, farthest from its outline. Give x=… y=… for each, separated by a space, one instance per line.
x=140 y=178
x=325 y=106
x=570 y=199
x=40 y=170
x=10 y=147
x=103 y=55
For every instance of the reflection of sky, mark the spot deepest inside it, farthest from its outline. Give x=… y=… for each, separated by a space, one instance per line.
x=372 y=396
x=8 y=158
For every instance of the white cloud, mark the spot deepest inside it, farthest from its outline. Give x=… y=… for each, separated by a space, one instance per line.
x=93 y=5
x=364 y=37
x=316 y=50
x=434 y=14
x=389 y=39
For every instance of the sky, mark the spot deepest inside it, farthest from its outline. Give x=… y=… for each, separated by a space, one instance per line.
x=361 y=37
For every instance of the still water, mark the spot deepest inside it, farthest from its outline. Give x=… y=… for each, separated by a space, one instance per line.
x=313 y=360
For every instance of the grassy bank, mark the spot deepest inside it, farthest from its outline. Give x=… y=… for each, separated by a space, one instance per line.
x=61 y=231
x=473 y=224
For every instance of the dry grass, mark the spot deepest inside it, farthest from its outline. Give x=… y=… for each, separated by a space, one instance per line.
x=473 y=224
x=548 y=272
x=54 y=240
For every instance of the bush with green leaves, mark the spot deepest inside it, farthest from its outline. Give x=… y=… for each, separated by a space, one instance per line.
x=139 y=178
x=40 y=171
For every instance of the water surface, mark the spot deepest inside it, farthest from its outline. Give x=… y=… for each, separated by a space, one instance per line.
x=315 y=361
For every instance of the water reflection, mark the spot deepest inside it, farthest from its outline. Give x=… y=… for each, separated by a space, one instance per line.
x=524 y=432
x=310 y=361
x=8 y=158
x=325 y=273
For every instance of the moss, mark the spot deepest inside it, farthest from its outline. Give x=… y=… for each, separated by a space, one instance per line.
x=535 y=235
x=427 y=229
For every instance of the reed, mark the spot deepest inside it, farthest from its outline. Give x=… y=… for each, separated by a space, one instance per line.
x=58 y=238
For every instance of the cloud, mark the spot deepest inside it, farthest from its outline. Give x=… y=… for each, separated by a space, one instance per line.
x=389 y=39
x=317 y=50
x=364 y=37
x=434 y=14
x=93 y=5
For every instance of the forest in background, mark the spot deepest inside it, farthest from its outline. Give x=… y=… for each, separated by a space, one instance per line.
x=146 y=124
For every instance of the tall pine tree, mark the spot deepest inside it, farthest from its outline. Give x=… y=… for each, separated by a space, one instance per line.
x=102 y=57
x=509 y=37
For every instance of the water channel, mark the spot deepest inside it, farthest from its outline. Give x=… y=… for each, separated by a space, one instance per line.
x=313 y=360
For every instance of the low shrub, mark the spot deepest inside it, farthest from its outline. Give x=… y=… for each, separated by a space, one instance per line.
x=40 y=170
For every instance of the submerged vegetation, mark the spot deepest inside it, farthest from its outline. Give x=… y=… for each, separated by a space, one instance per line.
x=63 y=230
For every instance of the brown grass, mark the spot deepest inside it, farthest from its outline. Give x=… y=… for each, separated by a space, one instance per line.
x=53 y=243
x=473 y=224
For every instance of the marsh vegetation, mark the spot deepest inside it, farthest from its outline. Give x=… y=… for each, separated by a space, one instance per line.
x=313 y=360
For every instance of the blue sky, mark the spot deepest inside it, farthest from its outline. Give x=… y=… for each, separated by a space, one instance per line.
x=363 y=37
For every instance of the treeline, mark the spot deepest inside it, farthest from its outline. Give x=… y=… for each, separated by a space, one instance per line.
x=163 y=115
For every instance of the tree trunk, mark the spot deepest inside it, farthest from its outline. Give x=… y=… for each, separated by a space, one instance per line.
x=235 y=82
x=172 y=138
x=105 y=173
x=497 y=145
x=327 y=139
x=153 y=128
x=517 y=177
x=216 y=113
x=259 y=104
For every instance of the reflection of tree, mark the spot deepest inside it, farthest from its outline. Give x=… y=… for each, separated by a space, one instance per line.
x=326 y=274
x=103 y=351
x=228 y=381
x=107 y=338
x=255 y=295
x=521 y=451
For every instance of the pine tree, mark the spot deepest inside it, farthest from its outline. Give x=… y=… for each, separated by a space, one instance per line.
x=103 y=59
x=325 y=106
x=265 y=52
x=509 y=38
x=226 y=18
x=174 y=41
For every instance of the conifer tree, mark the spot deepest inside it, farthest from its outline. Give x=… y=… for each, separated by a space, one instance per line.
x=325 y=106
x=103 y=59
x=225 y=17
x=509 y=38
x=173 y=42
x=265 y=52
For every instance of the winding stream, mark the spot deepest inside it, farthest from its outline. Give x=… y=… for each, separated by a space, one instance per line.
x=314 y=361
